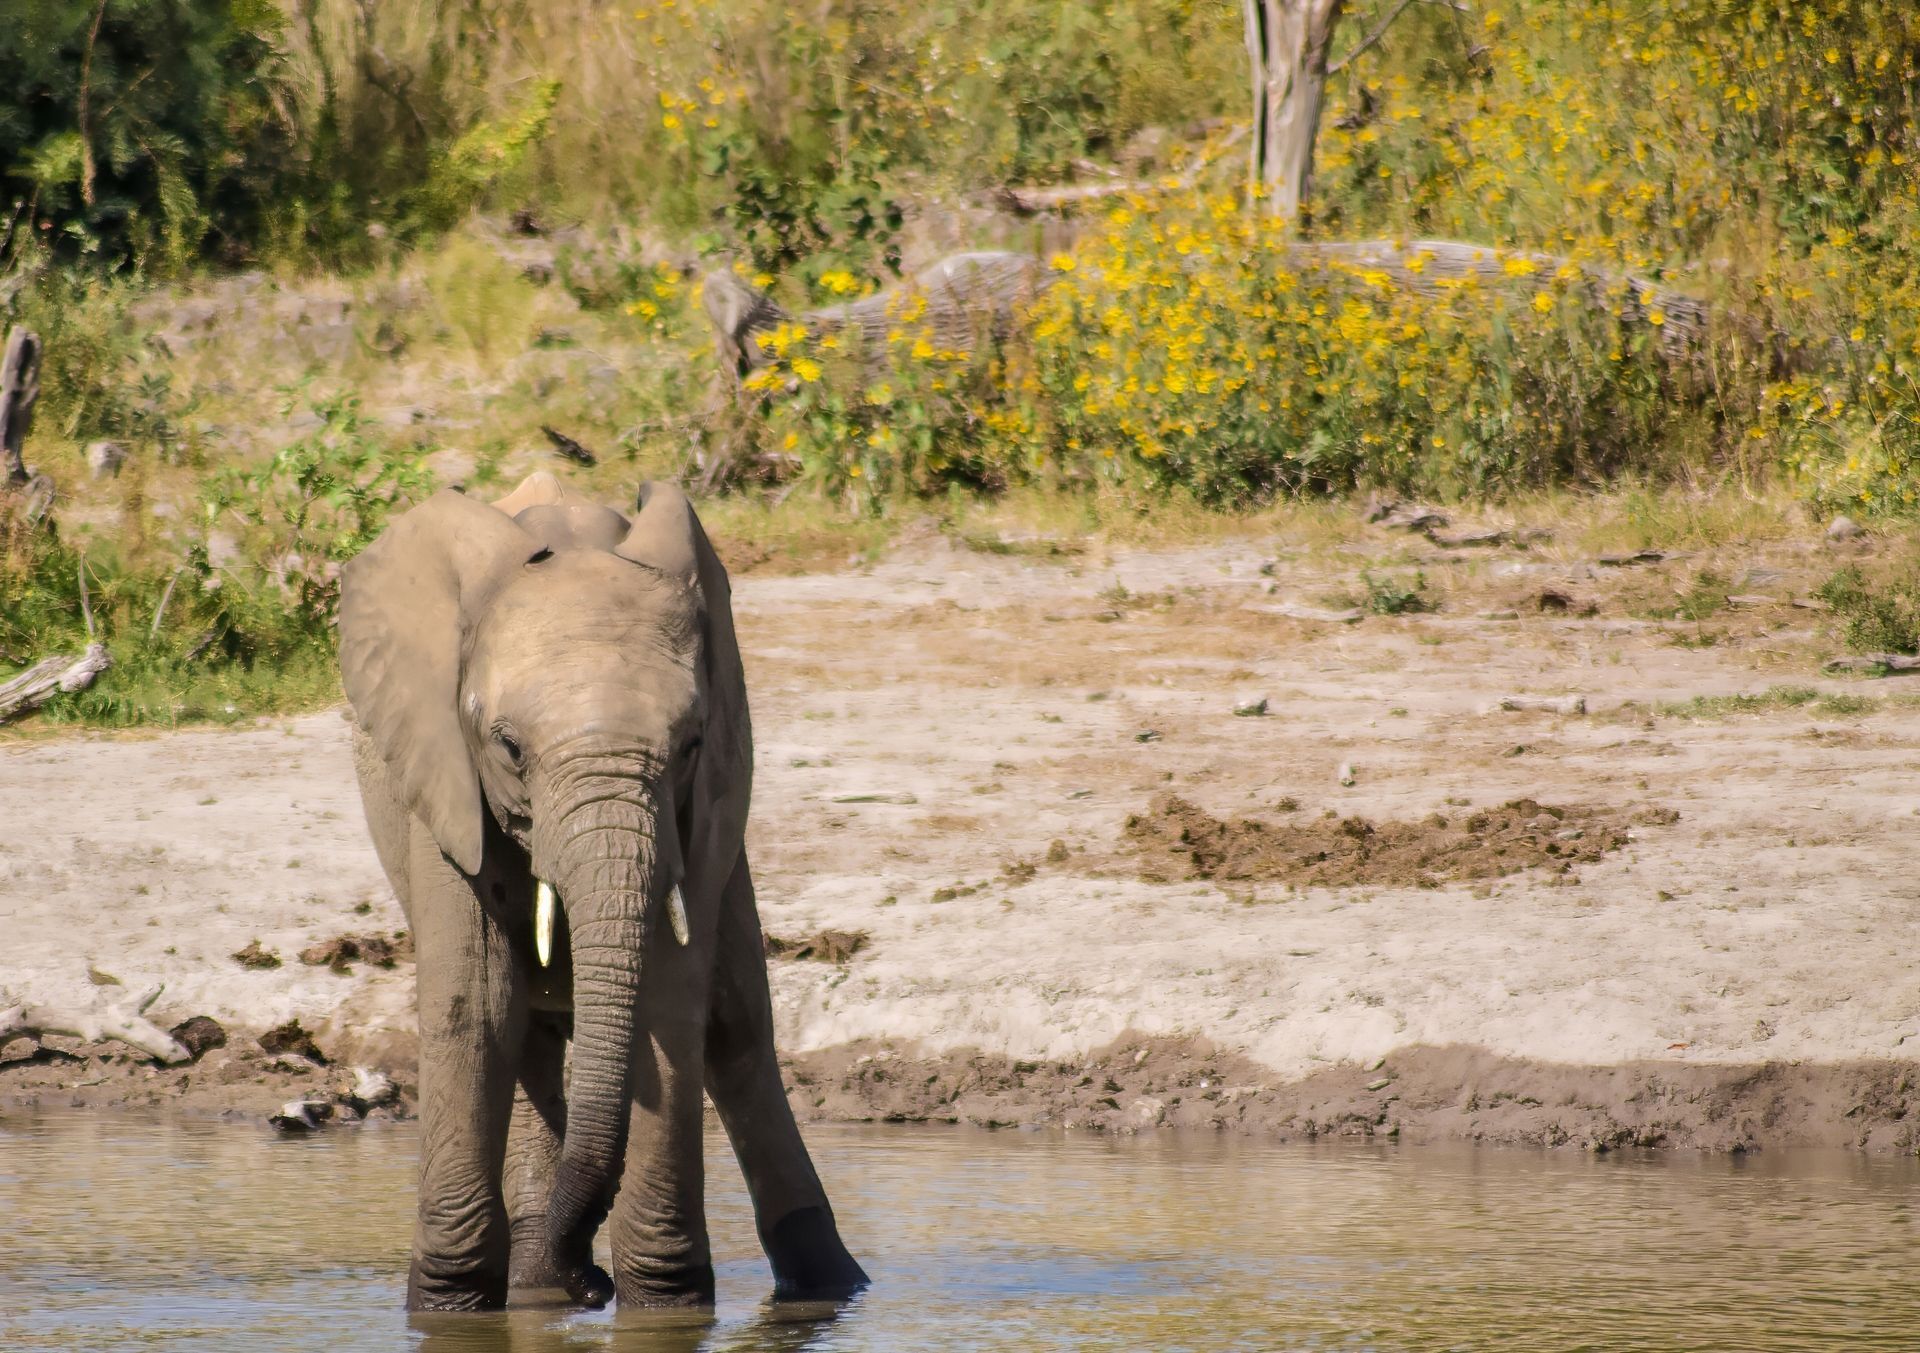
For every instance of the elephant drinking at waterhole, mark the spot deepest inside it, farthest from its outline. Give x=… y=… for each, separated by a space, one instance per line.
x=555 y=759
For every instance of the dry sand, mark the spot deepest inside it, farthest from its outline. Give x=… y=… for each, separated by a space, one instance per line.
x=951 y=744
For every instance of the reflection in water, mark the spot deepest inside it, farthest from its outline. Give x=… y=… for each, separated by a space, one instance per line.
x=128 y=1234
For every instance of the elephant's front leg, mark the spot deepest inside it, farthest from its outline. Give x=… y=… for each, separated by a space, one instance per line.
x=471 y=1020
x=534 y=1140
x=659 y=1224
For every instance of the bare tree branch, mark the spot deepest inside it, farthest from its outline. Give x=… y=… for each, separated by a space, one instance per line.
x=86 y=89
x=124 y=1023
x=1379 y=31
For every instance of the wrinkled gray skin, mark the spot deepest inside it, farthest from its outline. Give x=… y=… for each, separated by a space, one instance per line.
x=552 y=695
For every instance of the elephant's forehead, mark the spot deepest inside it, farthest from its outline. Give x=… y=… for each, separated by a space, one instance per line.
x=589 y=594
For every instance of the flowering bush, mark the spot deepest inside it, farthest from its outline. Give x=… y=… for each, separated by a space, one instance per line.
x=1181 y=343
x=1756 y=155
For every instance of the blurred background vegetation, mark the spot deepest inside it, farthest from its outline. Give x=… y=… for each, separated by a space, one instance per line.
x=299 y=260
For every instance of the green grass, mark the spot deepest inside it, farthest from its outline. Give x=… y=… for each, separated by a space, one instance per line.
x=1837 y=705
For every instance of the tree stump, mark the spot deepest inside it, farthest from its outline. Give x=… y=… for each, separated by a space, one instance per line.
x=19 y=392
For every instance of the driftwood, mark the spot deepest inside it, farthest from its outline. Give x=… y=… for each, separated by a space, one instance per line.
x=1295 y=611
x=1033 y=201
x=52 y=676
x=19 y=391
x=1518 y=538
x=123 y=1022
x=1875 y=662
x=1544 y=704
x=1434 y=267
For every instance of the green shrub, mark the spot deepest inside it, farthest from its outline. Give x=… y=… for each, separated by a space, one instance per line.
x=1396 y=596
x=233 y=621
x=1876 y=617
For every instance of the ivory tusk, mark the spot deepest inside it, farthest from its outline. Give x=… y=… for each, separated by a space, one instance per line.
x=677 y=915
x=543 y=922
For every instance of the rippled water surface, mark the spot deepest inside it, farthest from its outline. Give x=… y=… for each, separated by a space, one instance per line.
x=122 y=1233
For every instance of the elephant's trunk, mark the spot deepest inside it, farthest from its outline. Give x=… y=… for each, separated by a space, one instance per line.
x=602 y=846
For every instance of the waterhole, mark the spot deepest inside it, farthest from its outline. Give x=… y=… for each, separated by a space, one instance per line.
x=122 y=1233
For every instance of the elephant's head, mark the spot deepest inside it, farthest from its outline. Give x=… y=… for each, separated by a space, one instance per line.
x=576 y=678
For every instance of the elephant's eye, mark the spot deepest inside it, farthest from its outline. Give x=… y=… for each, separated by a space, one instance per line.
x=509 y=746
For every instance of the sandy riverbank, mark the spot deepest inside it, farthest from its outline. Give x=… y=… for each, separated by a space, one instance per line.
x=1704 y=939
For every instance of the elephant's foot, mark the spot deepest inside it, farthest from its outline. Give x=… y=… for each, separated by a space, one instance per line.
x=584 y=1281
x=657 y=1284
x=442 y=1286
x=810 y=1261
x=532 y=1279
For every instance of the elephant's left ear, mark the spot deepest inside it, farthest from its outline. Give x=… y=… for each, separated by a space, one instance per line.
x=667 y=536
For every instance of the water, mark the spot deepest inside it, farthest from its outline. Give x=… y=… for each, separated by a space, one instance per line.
x=119 y=1233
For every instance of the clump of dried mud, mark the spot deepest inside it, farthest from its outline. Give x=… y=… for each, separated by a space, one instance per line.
x=829 y=946
x=1175 y=839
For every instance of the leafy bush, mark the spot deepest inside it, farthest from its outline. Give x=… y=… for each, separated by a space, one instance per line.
x=236 y=618
x=313 y=506
x=1396 y=596
x=1876 y=617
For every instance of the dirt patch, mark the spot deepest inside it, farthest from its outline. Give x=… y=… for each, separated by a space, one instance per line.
x=1176 y=839
x=829 y=946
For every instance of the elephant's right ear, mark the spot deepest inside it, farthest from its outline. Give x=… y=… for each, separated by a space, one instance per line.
x=406 y=604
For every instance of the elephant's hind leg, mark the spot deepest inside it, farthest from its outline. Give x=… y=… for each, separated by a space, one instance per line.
x=790 y=1208
x=533 y=1150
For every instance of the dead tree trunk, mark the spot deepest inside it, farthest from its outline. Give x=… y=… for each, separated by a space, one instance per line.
x=19 y=391
x=49 y=677
x=1288 y=42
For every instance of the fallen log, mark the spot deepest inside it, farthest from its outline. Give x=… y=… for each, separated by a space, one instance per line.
x=953 y=304
x=52 y=676
x=1033 y=201
x=966 y=297
x=1880 y=663
x=123 y=1022
x=1543 y=704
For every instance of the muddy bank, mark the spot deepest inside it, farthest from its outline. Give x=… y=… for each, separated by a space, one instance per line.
x=1420 y=1094
x=1136 y=1084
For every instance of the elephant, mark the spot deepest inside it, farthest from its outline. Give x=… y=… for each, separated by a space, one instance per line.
x=555 y=759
